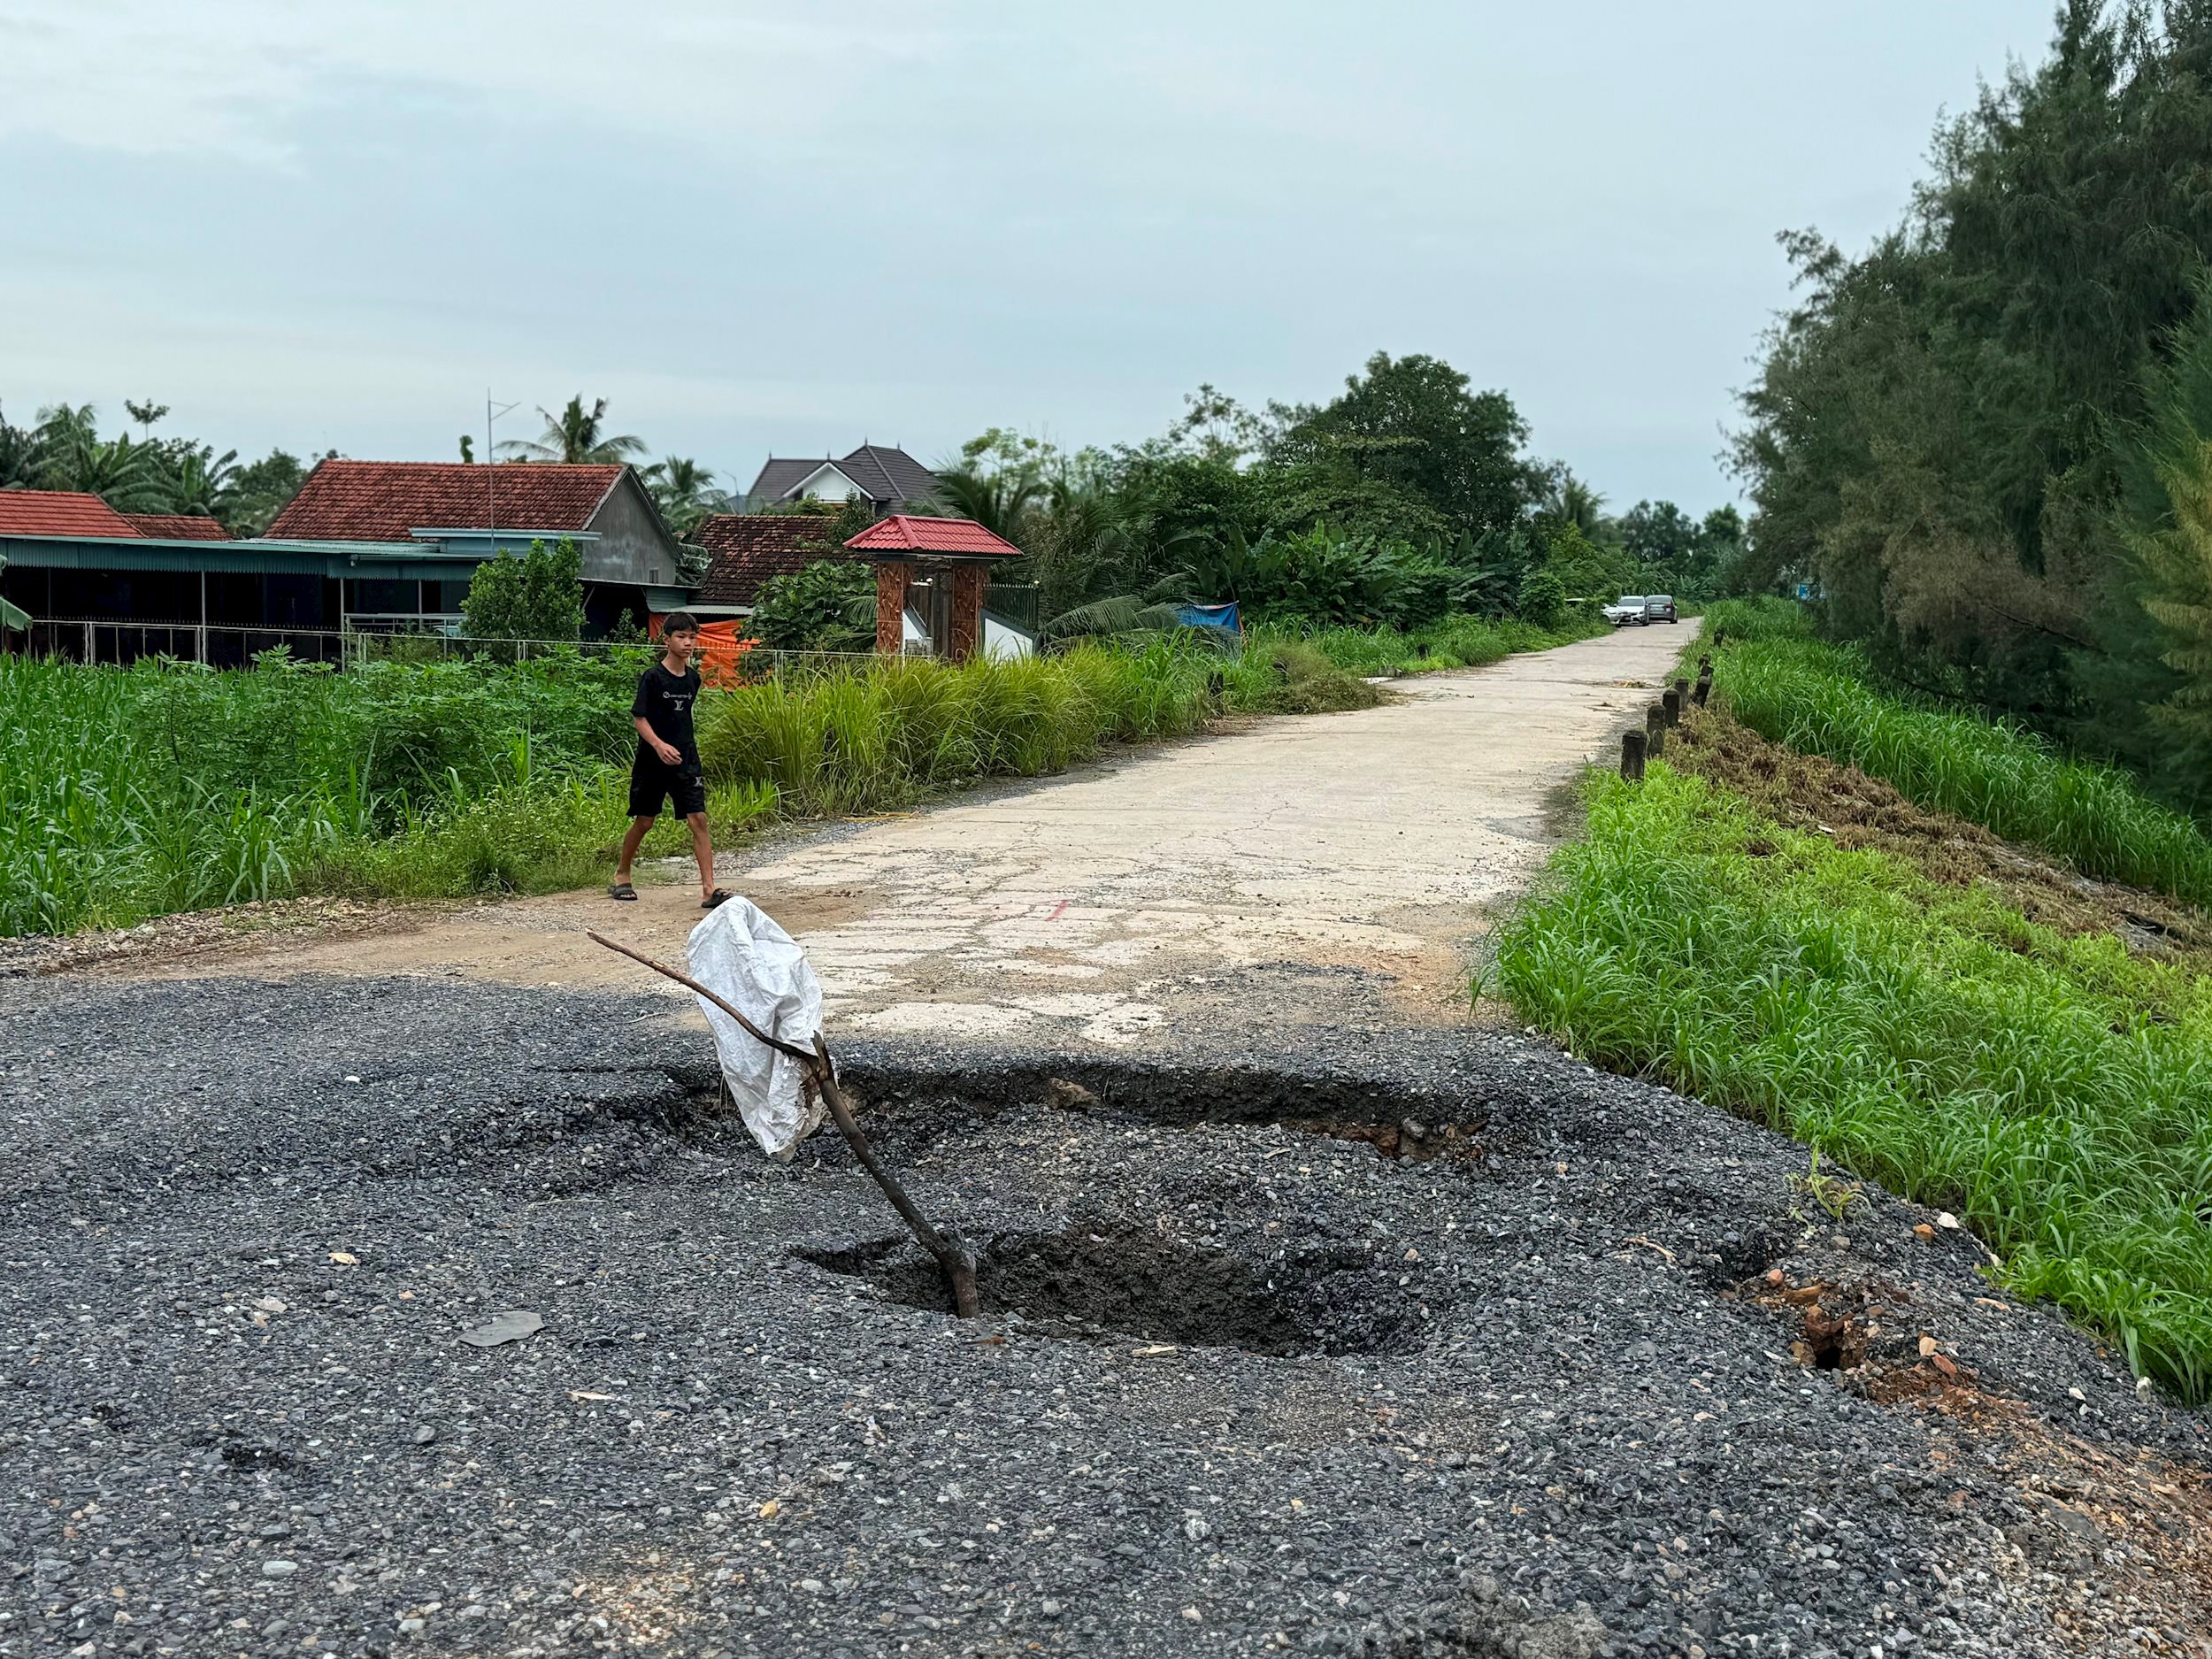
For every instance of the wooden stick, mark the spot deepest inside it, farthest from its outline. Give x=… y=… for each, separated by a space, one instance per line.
x=954 y=1257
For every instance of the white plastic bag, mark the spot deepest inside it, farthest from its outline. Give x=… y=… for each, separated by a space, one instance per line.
x=756 y=967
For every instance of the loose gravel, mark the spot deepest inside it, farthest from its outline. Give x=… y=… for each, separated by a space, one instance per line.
x=1595 y=1379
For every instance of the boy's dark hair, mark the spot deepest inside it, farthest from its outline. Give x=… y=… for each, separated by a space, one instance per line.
x=679 y=622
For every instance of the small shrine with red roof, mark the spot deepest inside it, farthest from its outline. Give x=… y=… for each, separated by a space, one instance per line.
x=949 y=555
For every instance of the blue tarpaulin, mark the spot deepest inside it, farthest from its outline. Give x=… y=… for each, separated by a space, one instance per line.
x=1223 y=618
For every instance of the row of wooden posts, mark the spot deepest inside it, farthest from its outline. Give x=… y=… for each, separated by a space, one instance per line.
x=1649 y=744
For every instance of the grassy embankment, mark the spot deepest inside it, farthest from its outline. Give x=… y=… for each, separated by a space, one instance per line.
x=1459 y=641
x=2043 y=1079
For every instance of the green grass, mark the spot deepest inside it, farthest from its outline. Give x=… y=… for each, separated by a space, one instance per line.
x=126 y=794
x=131 y=793
x=2055 y=1092
x=1458 y=642
x=1818 y=699
x=1764 y=618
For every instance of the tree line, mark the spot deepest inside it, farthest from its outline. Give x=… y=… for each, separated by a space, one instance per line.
x=1986 y=442
x=1410 y=497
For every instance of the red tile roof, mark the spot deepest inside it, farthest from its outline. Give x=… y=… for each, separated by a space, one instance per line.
x=61 y=512
x=177 y=526
x=960 y=537
x=382 y=501
x=749 y=548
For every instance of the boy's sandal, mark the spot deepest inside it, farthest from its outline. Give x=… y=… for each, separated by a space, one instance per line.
x=621 y=890
x=717 y=897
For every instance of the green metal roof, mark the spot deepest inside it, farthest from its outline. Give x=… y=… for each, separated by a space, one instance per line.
x=332 y=559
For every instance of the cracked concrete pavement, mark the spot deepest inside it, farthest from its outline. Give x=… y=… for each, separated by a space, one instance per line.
x=1315 y=868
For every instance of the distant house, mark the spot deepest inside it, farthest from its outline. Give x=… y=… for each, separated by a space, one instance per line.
x=633 y=562
x=744 y=550
x=888 y=479
x=365 y=546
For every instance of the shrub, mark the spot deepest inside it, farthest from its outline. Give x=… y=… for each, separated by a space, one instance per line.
x=538 y=596
x=829 y=605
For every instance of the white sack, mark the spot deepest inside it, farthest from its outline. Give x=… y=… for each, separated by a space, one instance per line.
x=758 y=968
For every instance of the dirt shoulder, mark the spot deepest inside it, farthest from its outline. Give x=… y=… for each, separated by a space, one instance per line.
x=1806 y=792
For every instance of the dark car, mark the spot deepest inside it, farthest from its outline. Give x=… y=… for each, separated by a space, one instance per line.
x=1659 y=608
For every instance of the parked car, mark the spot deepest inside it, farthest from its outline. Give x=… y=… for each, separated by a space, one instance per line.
x=1629 y=608
x=1659 y=608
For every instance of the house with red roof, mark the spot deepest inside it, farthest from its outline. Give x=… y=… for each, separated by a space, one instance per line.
x=633 y=563
x=745 y=550
x=364 y=546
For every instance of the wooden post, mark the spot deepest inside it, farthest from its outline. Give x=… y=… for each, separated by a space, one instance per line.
x=1682 y=692
x=1670 y=706
x=1654 y=731
x=1704 y=688
x=892 y=576
x=1633 y=756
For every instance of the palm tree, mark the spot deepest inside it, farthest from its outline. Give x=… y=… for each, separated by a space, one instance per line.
x=1001 y=501
x=19 y=455
x=127 y=475
x=1574 y=503
x=685 y=492
x=576 y=435
x=201 y=483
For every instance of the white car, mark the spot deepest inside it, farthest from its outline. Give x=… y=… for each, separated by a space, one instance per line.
x=1628 y=608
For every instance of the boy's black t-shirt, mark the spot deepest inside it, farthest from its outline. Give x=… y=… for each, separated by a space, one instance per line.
x=664 y=702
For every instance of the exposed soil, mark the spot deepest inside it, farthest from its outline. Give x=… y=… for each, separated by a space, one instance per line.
x=1160 y=1289
x=1805 y=792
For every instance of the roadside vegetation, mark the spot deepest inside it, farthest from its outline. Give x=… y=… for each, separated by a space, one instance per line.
x=1456 y=641
x=1815 y=912
x=2001 y=494
x=1827 y=699
x=2052 y=1088
x=131 y=793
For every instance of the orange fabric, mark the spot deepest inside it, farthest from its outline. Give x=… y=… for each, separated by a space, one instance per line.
x=722 y=647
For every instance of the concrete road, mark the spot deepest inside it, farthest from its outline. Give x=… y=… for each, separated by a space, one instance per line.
x=1320 y=868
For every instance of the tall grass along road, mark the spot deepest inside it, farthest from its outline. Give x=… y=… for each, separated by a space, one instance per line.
x=1818 y=699
x=128 y=794
x=2054 y=1088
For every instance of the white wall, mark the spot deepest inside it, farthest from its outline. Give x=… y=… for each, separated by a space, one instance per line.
x=1001 y=641
x=828 y=484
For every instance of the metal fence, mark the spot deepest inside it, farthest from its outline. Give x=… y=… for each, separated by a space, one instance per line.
x=97 y=641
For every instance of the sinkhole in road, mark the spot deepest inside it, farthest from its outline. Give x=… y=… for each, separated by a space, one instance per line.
x=1090 y=1286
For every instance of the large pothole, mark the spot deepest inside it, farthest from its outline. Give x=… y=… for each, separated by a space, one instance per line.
x=1092 y=1285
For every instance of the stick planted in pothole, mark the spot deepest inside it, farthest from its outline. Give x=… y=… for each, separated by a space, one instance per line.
x=955 y=1260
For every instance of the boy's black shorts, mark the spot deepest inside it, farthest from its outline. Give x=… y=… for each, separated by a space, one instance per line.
x=651 y=783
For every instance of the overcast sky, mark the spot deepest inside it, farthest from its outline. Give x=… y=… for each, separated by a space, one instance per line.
x=334 y=227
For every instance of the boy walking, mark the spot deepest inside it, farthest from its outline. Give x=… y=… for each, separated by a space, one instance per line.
x=667 y=764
